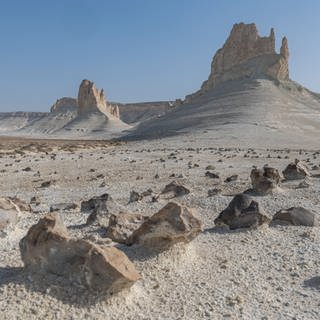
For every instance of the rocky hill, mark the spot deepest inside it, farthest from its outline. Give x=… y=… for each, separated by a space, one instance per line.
x=248 y=97
x=87 y=116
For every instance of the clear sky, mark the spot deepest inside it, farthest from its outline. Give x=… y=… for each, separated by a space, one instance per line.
x=137 y=50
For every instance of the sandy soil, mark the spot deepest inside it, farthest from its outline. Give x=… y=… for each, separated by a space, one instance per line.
x=267 y=273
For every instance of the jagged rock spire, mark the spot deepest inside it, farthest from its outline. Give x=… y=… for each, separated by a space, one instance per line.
x=246 y=54
x=284 y=50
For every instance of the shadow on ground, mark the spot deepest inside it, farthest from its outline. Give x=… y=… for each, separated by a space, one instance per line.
x=313 y=283
x=50 y=284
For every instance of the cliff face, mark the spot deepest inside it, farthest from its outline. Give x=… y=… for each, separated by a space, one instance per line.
x=64 y=104
x=90 y=99
x=247 y=55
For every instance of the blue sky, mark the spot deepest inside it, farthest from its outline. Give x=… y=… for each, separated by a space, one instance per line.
x=137 y=50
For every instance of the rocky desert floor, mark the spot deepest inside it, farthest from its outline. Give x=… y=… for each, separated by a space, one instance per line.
x=263 y=273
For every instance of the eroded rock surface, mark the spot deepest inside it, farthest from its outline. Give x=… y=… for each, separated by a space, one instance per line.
x=122 y=225
x=296 y=170
x=173 y=223
x=9 y=213
x=245 y=54
x=175 y=189
x=265 y=180
x=91 y=99
x=47 y=247
x=242 y=212
x=296 y=216
x=64 y=104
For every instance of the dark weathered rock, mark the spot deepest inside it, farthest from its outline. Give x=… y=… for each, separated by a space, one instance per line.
x=98 y=202
x=266 y=180
x=135 y=196
x=251 y=217
x=47 y=247
x=231 y=178
x=176 y=189
x=63 y=206
x=296 y=170
x=242 y=212
x=100 y=208
x=46 y=184
x=211 y=175
x=173 y=223
x=296 y=216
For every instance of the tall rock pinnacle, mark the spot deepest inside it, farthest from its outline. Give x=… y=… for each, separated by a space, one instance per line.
x=91 y=99
x=245 y=54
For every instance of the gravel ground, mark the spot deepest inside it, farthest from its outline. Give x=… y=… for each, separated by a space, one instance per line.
x=267 y=273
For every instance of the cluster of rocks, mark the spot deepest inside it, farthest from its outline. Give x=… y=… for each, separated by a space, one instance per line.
x=48 y=247
x=244 y=212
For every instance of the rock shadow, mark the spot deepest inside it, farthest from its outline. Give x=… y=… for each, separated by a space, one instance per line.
x=56 y=286
x=313 y=283
x=142 y=253
x=226 y=230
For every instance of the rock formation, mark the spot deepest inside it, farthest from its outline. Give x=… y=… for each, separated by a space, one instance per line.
x=173 y=223
x=296 y=170
x=122 y=225
x=91 y=99
x=296 y=216
x=114 y=110
x=64 y=104
x=246 y=54
x=265 y=181
x=242 y=212
x=47 y=247
x=175 y=189
x=100 y=208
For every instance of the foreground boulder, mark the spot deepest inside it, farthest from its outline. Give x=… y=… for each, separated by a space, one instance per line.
x=296 y=170
x=47 y=247
x=173 y=223
x=242 y=212
x=122 y=225
x=265 y=181
x=296 y=216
